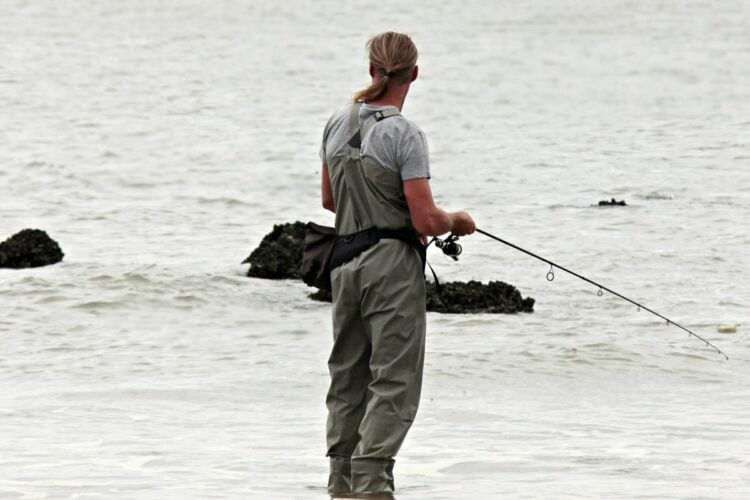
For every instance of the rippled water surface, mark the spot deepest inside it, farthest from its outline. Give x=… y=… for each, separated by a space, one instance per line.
x=157 y=142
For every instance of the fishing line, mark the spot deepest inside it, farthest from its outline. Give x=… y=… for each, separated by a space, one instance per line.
x=601 y=288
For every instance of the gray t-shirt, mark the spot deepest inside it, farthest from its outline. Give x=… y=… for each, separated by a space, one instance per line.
x=395 y=143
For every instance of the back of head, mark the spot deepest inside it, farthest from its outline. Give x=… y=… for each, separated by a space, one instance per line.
x=392 y=56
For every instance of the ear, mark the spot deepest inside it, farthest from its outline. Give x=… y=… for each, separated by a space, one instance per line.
x=372 y=70
x=414 y=73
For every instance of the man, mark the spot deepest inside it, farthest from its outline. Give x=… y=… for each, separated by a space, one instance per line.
x=375 y=178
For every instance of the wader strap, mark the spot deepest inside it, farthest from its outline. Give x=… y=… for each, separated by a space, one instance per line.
x=352 y=169
x=348 y=246
x=376 y=117
x=355 y=141
x=359 y=132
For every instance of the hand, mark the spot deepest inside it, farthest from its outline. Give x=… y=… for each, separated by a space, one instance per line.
x=462 y=224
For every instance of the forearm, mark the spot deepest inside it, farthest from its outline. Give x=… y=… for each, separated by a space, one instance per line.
x=326 y=193
x=328 y=204
x=437 y=222
x=441 y=222
x=427 y=217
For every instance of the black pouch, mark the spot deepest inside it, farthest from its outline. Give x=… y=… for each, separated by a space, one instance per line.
x=325 y=251
x=349 y=246
x=316 y=255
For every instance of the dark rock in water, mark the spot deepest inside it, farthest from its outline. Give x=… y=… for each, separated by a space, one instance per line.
x=280 y=252
x=612 y=203
x=322 y=296
x=279 y=256
x=29 y=248
x=472 y=297
x=475 y=297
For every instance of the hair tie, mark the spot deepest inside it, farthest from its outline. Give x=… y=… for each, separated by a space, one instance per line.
x=390 y=73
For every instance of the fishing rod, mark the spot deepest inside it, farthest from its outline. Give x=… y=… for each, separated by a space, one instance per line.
x=453 y=250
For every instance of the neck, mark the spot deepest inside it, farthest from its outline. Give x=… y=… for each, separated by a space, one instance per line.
x=394 y=96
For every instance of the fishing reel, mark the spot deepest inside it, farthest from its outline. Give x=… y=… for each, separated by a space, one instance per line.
x=449 y=246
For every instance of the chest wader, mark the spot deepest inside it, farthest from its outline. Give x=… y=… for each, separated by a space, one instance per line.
x=378 y=324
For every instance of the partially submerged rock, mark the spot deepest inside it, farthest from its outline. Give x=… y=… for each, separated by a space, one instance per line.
x=464 y=298
x=612 y=203
x=476 y=297
x=29 y=248
x=280 y=253
x=321 y=295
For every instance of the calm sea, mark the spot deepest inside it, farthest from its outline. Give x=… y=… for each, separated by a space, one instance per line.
x=158 y=142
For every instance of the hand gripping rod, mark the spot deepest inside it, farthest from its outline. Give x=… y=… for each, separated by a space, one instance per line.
x=551 y=276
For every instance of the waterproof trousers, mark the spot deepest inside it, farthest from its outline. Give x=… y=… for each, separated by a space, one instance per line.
x=376 y=365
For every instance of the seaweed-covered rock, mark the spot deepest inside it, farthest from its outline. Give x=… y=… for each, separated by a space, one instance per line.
x=612 y=203
x=472 y=297
x=475 y=297
x=321 y=295
x=279 y=256
x=29 y=248
x=280 y=252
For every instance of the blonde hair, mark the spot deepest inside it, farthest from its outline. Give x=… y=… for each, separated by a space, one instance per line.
x=394 y=55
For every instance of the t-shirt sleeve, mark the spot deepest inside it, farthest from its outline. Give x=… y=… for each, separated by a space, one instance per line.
x=322 y=151
x=414 y=156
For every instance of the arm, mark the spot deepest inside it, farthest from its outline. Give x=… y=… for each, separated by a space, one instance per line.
x=326 y=193
x=428 y=218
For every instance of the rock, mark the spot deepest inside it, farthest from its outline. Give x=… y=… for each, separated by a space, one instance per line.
x=321 y=296
x=29 y=248
x=612 y=203
x=476 y=297
x=279 y=254
x=473 y=297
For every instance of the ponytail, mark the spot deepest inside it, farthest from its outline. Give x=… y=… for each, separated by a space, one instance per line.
x=393 y=55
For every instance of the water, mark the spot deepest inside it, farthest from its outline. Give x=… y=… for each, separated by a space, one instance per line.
x=158 y=143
